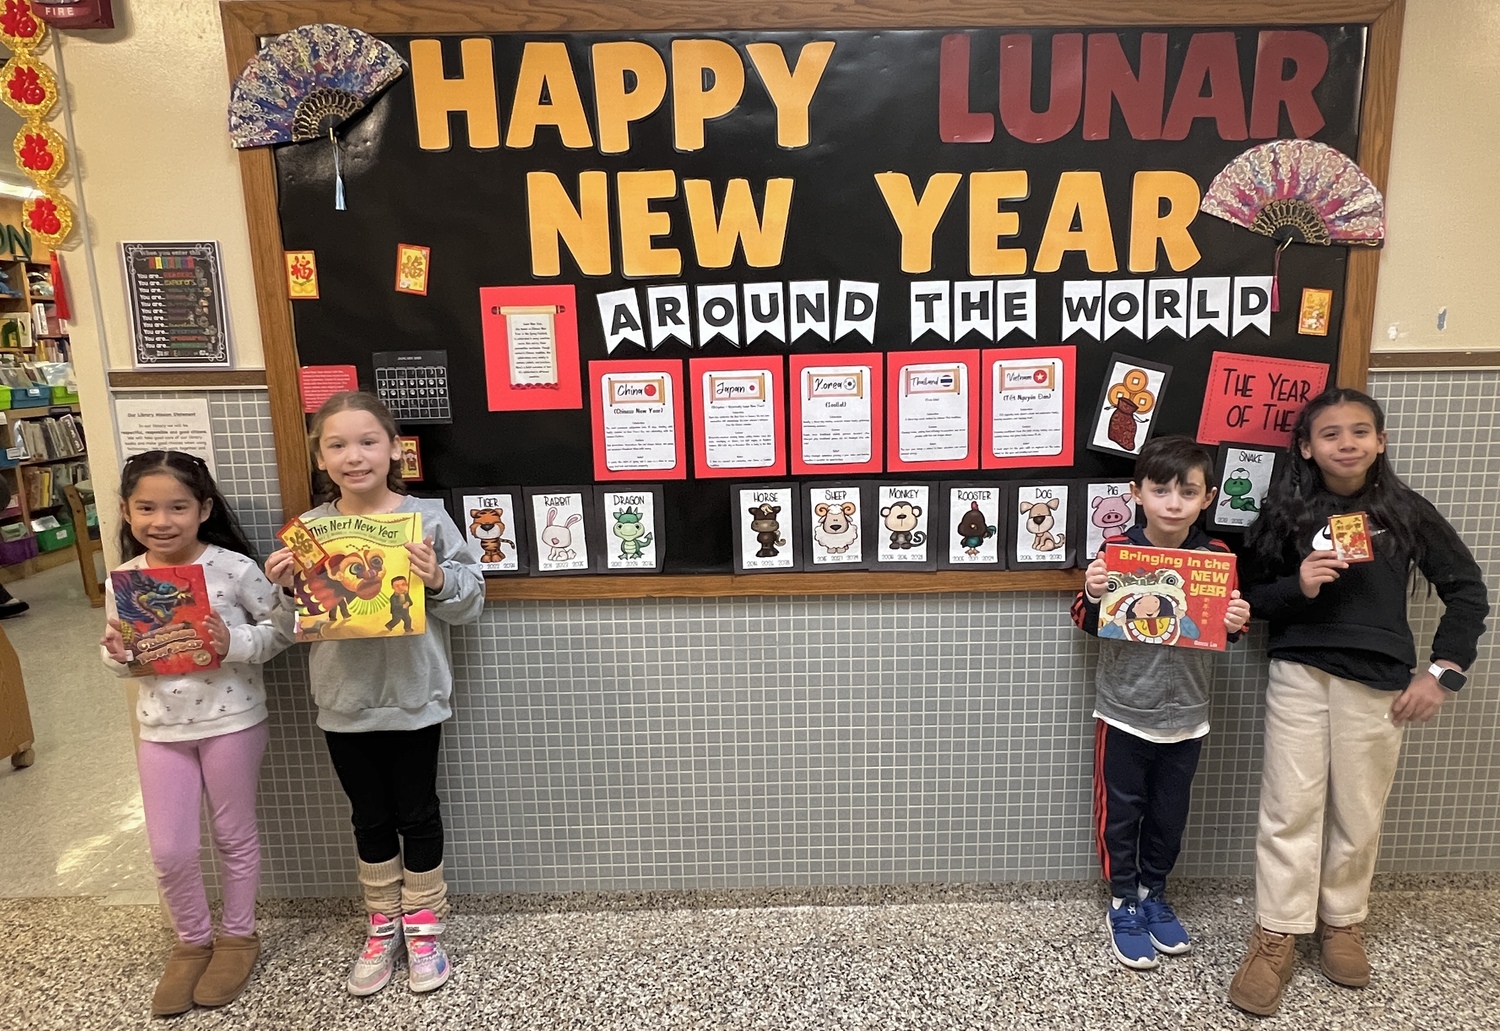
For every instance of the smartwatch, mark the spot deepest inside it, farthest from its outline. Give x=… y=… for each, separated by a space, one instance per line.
x=1452 y=679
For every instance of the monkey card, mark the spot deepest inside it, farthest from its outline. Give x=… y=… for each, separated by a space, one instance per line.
x=900 y=528
x=492 y=519
x=766 y=524
x=834 y=517
x=1350 y=534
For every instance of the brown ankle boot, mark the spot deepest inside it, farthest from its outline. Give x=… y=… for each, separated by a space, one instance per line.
x=228 y=972
x=1342 y=955
x=174 y=992
x=1265 y=971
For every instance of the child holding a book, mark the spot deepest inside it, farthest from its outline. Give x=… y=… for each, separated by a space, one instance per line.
x=382 y=699
x=1341 y=686
x=203 y=730
x=1151 y=710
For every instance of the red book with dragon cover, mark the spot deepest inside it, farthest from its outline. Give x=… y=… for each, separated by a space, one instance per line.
x=1165 y=596
x=162 y=611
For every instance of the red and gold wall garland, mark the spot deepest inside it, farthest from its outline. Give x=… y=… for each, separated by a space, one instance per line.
x=30 y=89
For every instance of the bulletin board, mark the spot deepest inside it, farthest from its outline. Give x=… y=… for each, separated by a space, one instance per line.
x=905 y=173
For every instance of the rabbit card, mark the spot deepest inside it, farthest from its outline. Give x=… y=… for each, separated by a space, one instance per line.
x=559 y=530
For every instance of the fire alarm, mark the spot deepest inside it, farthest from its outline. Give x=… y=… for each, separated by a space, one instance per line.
x=75 y=14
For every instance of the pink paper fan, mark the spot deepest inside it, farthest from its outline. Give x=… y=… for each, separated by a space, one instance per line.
x=1298 y=190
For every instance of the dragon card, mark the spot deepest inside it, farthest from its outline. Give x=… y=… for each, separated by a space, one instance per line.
x=365 y=587
x=162 y=611
x=1167 y=596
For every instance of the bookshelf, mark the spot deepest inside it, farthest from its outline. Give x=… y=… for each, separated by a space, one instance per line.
x=45 y=452
x=29 y=327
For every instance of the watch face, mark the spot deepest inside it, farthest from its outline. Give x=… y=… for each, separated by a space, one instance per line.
x=1452 y=679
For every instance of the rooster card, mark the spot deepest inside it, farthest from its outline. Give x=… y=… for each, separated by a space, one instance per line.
x=365 y=588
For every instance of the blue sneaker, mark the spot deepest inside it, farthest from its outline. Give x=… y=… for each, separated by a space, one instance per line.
x=1166 y=931
x=1128 y=936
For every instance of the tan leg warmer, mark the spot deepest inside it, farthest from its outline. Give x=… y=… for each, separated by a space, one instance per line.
x=425 y=891
x=382 y=886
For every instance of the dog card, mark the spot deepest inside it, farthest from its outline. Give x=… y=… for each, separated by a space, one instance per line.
x=631 y=522
x=1042 y=518
x=973 y=526
x=1108 y=510
x=559 y=525
x=492 y=519
x=899 y=527
x=1350 y=534
x=834 y=517
x=765 y=535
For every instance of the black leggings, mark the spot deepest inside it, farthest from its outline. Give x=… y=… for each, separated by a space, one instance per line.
x=390 y=777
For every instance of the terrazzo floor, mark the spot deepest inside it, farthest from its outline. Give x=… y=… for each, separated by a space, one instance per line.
x=1020 y=955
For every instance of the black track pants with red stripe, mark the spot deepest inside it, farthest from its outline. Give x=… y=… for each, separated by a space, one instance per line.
x=1141 y=796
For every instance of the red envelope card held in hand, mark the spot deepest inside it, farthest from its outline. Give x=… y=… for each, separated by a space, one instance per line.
x=1350 y=534
x=307 y=553
x=163 y=612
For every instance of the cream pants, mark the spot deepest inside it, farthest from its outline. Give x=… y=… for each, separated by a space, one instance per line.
x=1330 y=758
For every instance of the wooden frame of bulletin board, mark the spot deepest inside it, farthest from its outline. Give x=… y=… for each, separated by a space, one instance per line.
x=247 y=23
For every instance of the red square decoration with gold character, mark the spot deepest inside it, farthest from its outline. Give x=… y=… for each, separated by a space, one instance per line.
x=29 y=88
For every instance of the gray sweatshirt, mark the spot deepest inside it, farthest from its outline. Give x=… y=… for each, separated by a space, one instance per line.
x=400 y=683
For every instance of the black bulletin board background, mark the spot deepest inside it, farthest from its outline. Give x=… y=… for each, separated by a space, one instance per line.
x=875 y=110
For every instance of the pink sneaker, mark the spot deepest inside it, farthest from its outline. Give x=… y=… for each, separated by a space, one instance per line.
x=375 y=964
x=427 y=963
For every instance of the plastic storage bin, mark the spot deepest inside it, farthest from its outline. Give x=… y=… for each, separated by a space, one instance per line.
x=55 y=539
x=12 y=552
x=61 y=395
x=30 y=397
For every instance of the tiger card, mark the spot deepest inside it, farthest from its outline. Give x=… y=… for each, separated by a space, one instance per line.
x=1350 y=534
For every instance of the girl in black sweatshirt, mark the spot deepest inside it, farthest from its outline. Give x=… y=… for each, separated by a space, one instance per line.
x=1342 y=684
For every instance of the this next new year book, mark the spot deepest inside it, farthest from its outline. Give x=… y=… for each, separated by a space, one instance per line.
x=162 y=611
x=1165 y=596
x=364 y=588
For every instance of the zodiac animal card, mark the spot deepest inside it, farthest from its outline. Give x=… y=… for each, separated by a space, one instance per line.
x=365 y=588
x=1243 y=474
x=900 y=527
x=1128 y=404
x=631 y=521
x=1043 y=517
x=835 y=518
x=492 y=519
x=1108 y=510
x=560 y=522
x=973 y=526
x=766 y=519
x=162 y=611
x=1166 y=596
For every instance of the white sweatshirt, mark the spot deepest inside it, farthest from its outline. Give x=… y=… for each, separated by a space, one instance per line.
x=193 y=706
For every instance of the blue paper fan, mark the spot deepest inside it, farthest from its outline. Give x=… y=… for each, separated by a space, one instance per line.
x=305 y=83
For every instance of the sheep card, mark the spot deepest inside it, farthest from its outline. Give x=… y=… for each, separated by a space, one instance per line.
x=560 y=521
x=972 y=527
x=766 y=538
x=1042 y=518
x=493 y=520
x=1107 y=509
x=630 y=519
x=1128 y=404
x=834 y=518
x=1243 y=474
x=899 y=527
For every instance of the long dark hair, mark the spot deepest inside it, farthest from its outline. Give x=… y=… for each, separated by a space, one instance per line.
x=1292 y=510
x=221 y=527
x=346 y=401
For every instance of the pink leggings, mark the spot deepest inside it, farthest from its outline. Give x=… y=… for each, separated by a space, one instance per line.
x=174 y=776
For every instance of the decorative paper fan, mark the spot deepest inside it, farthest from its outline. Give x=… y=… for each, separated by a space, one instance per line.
x=1298 y=190
x=305 y=83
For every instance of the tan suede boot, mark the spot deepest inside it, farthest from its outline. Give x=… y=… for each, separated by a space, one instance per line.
x=228 y=972
x=1264 y=972
x=174 y=992
x=1342 y=955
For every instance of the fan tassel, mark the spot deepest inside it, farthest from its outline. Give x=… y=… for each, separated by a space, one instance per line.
x=1276 y=277
x=338 y=178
